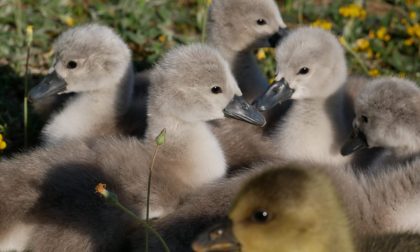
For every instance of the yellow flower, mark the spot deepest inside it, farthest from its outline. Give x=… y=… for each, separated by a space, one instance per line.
x=409 y=42
x=261 y=54
x=387 y=37
x=323 y=24
x=413 y=30
x=413 y=15
x=353 y=11
x=371 y=34
x=362 y=44
x=69 y=21
x=374 y=72
x=101 y=189
x=162 y=38
x=381 y=33
x=209 y=2
x=3 y=145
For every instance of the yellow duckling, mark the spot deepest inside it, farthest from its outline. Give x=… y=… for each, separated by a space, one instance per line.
x=299 y=211
x=293 y=210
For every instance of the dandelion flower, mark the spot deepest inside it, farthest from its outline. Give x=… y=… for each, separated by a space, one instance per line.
x=69 y=21
x=101 y=190
x=353 y=11
x=162 y=38
x=413 y=15
x=261 y=54
x=381 y=33
x=323 y=24
x=3 y=145
x=362 y=44
x=409 y=42
x=374 y=72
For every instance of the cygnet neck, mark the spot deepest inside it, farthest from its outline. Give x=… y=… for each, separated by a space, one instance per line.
x=190 y=144
x=92 y=113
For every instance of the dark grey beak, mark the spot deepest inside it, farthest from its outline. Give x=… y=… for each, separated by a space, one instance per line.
x=240 y=109
x=52 y=84
x=219 y=238
x=276 y=38
x=277 y=93
x=356 y=142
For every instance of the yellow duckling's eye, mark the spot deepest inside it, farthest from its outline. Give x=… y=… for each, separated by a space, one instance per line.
x=261 y=216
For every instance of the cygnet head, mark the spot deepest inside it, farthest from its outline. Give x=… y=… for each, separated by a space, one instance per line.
x=245 y=24
x=194 y=83
x=286 y=209
x=387 y=115
x=86 y=58
x=310 y=64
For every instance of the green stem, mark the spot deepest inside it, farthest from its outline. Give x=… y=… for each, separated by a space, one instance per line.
x=204 y=23
x=144 y=224
x=149 y=183
x=25 y=99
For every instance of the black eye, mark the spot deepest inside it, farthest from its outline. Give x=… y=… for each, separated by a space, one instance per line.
x=364 y=119
x=303 y=71
x=216 y=90
x=261 y=216
x=261 y=21
x=71 y=64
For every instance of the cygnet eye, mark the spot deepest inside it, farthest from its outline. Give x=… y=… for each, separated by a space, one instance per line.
x=261 y=21
x=71 y=64
x=365 y=119
x=261 y=216
x=216 y=90
x=303 y=71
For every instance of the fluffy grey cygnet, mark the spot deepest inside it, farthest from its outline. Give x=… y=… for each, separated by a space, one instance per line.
x=54 y=187
x=311 y=71
x=388 y=116
x=237 y=28
x=94 y=63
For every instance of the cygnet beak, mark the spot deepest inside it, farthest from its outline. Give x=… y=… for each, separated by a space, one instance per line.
x=275 y=39
x=218 y=238
x=356 y=142
x=52 y=84
x=240 y=109
x=279 y=92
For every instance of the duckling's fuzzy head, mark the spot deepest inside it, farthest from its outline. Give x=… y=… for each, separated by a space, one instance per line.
x=388 y=114
x=245 y=24
x=289 y=210
x=192 y=83
x=312 y=62
x=90 y=57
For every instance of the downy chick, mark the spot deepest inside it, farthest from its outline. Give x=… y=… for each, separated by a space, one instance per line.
x=92 y=62
x=294 y=210
x=237 y=28
x=387 y=115
x=285 y=209
x=54 y=186
x=311 y=71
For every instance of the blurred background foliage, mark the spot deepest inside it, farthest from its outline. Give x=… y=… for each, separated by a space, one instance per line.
x=381 y=38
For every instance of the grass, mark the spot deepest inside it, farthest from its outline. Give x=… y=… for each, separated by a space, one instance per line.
x=151 y=27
